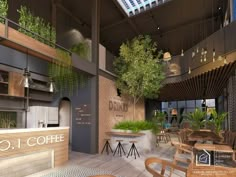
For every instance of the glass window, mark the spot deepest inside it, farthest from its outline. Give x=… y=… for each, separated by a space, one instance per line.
x=198 y=103
x=190 y=103
x=210 y=103
x=164 y=105
x=181 y=104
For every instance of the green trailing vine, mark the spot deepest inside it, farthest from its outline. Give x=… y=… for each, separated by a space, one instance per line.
x=67 y=80
x=3 y=9
x=36 y=25
x=7 y=119
x=82 y=49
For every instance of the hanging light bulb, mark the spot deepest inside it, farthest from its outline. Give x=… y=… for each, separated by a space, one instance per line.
x=51 y=89
x=204 y=58
x=52 y=86
x=193 y=54
x=201 y=59
x=214 y=54
x=220 y=57
x=189 y=70
x=225 y=61
x=182 y=52
x=197 y=50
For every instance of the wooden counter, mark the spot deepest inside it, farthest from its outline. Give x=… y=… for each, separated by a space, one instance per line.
x=125 y=134
x=20 y=142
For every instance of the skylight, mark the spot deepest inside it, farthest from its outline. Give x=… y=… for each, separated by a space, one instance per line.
x=134 y=7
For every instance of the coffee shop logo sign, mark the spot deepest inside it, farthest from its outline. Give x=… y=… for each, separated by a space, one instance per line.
x=19 y=143
x=118 y=105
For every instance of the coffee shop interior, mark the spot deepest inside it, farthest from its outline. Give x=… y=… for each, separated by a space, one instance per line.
x=117 y=88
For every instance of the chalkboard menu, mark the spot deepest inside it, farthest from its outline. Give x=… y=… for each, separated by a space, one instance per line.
x=83 y=114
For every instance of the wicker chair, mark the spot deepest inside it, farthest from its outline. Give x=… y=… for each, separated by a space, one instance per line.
x=153 y=160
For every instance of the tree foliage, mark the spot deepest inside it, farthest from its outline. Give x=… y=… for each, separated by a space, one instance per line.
x=140 y=73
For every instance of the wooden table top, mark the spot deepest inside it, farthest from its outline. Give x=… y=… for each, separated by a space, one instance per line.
x=214 y=147
x=125 y=134
x=204 y=136
x=210 y=171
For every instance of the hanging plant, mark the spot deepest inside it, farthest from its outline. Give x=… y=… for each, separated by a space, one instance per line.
x=67 y=80
x=36 y=25
x=7 y=119
x=3 y=10
x=82 y=49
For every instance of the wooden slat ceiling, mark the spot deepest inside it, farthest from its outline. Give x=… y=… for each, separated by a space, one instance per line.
x=207 y=85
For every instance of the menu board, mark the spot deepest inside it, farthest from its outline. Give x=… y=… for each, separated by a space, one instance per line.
x=83 y=114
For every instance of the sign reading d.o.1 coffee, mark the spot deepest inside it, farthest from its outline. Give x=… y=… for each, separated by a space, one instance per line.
x=18 y=143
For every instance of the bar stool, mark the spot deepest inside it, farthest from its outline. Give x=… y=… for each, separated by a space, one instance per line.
x=133 y=149
x=119 y=147
x=107 y=146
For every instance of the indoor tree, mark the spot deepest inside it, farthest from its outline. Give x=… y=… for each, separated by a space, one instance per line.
x=138 y=69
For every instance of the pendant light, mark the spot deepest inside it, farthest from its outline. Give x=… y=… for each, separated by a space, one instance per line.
x=167 y=56
x=182 y=52
x=52 y=87
x=26 y=78
x=213 y=55
x=225 y=61
x=189 y=70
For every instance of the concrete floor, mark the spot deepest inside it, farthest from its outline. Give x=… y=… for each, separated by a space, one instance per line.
x=119 y=166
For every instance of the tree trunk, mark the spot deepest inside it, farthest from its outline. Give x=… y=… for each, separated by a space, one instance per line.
x=134 y=109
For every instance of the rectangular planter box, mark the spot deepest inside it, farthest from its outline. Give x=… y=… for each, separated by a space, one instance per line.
x=24 y=43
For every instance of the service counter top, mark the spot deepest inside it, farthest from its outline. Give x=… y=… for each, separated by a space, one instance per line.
x=25 y=130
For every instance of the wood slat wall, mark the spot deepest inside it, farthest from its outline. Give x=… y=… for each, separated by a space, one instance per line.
x=60 y=148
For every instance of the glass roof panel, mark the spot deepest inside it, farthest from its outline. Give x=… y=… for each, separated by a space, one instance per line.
x=134 y=7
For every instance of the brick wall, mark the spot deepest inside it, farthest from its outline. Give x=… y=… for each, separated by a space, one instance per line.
x=108 y=114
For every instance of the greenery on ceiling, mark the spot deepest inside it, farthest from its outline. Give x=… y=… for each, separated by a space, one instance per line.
x=45 y=31
x=7 y=119
x=3 y=9
x=82 y=49
x=138 y=69
x=66 y=79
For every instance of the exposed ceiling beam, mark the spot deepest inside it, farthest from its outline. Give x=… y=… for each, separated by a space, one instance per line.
x=79 y=21
x=129 y=18
x=126 y=18
x=181 y=26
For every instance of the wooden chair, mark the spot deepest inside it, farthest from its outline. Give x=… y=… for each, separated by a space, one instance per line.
x=184 y=154
x=103 y=176
x=183 y=136
x=164 y=164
